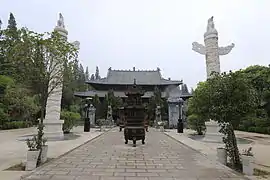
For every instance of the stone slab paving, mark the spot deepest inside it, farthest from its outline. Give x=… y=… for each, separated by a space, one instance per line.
x=260 y=145
x=13 y=151
x=108 y=158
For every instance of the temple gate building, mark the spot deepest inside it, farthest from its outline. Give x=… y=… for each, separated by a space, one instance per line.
x=120 y=80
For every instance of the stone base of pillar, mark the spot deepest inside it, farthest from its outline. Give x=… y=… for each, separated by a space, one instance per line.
x=53 y=129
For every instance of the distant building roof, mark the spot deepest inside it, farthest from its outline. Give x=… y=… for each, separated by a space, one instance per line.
x=143 y=77
x=173 y=91
x=92 y=93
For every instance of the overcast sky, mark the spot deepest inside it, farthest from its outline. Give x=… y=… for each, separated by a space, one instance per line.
x=153 y=33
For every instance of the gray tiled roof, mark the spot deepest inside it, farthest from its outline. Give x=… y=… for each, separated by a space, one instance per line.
x=128 y=76
x=147 y=94
x=92 y=93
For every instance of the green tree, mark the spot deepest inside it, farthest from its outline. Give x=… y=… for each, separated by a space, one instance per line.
x=97 y=76
x=154 y=101
x=104 y=106
x=266 y=102
x=12 y=28
x=198 y=108
x=92 y=77
x=69 y=87
x=199 y=104
x=8 y=39
x=87 y=75
x=196 y=123
x=70 y=119
x=5 y=81
x=99 y=107
x=20 y=104
x=232 y=97
x=31 y=58
x=258 y=77
x=96 y=100
x=81 y=79
x=12 y=25
x=49 y=53
x=114 y=101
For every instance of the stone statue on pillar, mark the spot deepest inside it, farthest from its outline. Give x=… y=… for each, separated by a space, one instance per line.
x=211 y=50
x=60 y=22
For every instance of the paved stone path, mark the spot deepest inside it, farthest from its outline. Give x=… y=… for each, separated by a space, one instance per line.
x=108 y=158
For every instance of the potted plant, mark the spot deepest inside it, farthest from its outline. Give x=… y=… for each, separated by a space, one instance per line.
x=222 y=155
x=32 y=154
x=44 y=151
x=248 y=161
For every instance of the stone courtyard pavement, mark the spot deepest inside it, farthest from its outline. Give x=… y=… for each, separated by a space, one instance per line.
x=108 y=158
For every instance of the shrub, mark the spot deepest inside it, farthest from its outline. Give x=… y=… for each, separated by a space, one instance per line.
x=196 y=124
x=16 y=125
x=251 y=129
x=75 y=108
x=70 y=119
x=3 y=117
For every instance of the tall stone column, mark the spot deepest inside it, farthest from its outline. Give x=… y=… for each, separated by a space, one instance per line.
x=52 y=122
x=211 y=50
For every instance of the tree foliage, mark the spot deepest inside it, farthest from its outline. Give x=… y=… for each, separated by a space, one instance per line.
x=199 y=104
x=154 y=101
x=114 y=101
x=259 y=78
x=226 y=98
x=97 y=76
x=196 y=123
x=199 y=108
x=70 y=119
x=12 y=25
x=32 y=66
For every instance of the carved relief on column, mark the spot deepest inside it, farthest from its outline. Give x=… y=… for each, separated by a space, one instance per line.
x=211 y=50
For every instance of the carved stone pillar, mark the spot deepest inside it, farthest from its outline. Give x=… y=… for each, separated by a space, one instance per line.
x=211 y=50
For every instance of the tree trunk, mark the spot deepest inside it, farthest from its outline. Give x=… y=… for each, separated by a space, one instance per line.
x=44 y=98
x=235 y=153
